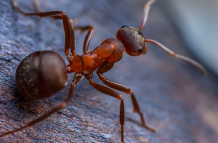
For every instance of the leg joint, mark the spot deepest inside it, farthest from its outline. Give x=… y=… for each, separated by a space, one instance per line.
x=128 y=91
x=120 y=97
x=62 y=105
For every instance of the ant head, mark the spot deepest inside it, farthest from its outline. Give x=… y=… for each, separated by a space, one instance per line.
x=132 y=39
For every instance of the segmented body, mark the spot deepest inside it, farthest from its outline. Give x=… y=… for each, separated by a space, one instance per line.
x=35 y=74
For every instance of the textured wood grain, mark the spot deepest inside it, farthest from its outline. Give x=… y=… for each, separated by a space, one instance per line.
x=174 y=97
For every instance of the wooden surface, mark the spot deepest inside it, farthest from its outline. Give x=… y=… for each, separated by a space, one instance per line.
x=174 y=97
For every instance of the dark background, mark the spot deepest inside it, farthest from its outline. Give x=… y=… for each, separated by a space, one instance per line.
x=174 y=97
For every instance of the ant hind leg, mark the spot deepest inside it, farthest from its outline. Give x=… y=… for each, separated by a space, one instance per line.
x=62 y=105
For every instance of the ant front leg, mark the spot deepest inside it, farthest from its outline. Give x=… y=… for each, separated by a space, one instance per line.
x=112 y=93
x=106 y=66
x=62 y=105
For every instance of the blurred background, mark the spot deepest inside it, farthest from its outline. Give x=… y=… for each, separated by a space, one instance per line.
x=197 y=23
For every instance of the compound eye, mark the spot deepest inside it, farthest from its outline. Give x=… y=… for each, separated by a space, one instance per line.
x=140 y=50
x=125 y=26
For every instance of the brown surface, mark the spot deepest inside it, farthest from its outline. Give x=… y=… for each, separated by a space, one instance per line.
x=173 y=95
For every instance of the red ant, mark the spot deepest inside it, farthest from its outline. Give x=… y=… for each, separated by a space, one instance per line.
x=35 y=80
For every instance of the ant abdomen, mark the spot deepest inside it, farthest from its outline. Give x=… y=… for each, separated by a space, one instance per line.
x=41 y=74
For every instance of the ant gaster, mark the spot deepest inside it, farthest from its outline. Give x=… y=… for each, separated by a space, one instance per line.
x=35 y=80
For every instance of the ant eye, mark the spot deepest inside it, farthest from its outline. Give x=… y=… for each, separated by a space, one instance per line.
x=140 y=50
x=125 y=26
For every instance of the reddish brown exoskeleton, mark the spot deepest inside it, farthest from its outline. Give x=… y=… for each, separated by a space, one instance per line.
x=36 y=81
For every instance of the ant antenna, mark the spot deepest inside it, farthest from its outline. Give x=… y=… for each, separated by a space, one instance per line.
x=146 y=11
x=171 y=53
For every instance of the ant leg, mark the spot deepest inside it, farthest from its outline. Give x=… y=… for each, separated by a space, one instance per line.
x=112 y=93
x=171 y=53
x=88 y=36
x=106 y=66
x=72 y=39
x=68 y=27
x=37 y=9
x=35 y=3
x=62 y=105
x=82 y=29
x=77 y=78
x=146 y=11
x=36 y=6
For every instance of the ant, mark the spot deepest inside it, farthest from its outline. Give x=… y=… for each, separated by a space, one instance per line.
x=36 y=81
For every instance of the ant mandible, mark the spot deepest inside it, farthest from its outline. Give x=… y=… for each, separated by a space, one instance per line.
x=35 y=80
